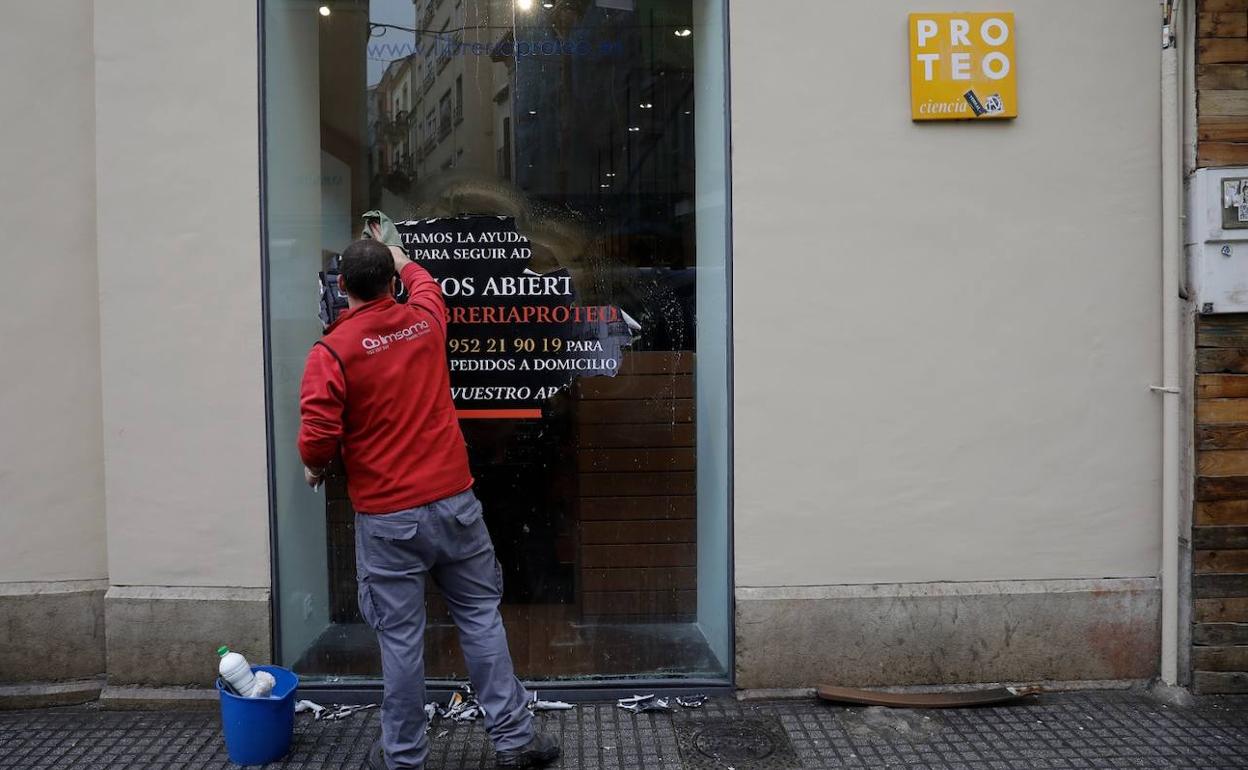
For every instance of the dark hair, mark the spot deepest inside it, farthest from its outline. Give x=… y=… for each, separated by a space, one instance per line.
x=367 y=269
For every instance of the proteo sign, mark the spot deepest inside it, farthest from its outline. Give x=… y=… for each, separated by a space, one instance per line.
x=962 y=66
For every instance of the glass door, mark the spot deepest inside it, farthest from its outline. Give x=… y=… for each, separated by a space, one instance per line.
x=560 y=167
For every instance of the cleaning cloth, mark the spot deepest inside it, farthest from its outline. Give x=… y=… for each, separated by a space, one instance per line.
x=389 y=233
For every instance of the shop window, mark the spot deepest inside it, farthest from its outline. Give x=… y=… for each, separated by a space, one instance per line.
x=459 y=98
x=444 y=115
x=607 y=497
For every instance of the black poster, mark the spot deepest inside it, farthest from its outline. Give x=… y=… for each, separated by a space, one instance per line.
x=515 y=337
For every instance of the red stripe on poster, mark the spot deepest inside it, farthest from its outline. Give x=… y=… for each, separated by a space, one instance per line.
x=498 y=414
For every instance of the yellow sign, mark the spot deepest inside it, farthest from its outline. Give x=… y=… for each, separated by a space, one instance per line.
x=962 y=66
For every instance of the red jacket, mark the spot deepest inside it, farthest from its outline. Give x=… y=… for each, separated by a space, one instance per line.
x=378 y=386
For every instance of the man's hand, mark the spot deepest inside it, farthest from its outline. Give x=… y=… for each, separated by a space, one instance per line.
x=313 y=477
x=400 y=258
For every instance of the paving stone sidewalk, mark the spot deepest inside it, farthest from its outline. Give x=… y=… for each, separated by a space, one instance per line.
x=1116 y=729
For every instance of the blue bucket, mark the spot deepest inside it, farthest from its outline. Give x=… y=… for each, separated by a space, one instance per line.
x=258 y=730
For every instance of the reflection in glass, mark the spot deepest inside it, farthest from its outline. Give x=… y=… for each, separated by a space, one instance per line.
x=578 y=119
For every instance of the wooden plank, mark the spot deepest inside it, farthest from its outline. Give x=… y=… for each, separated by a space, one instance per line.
x=1220 y=634
x=1222 y=513
x=1219 y=538
x=659 y=555
x=1221 y=128
x=629 y=508
x=1222 y=102
x=657 y=362
x=1214 y=682
x=1220 y=586
x=641 y=579
x=639 y=602
x=1224 y=610
x=659 y=387
x=1221 y=411
x=637 y=484
x=1222 y=331
x=1221 y=488
x=1222 y=153
x=638 y=460
x=1225 y=24
x=1222 y=436
x=632 y=411
x=1222 y=386
x=1220 y=658
x=1220 y=562
x=1226 y=462
x=1221 y=6
x=641 y=532
x=1221 y=50
x=636 y=435
x=1224 y=360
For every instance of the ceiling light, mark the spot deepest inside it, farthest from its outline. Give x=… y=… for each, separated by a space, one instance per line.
x=634 y=129
x=324 y=10
x=548 y=5
x=524 y=5
x=646 y=105
x=532 y=112
x=683 y=32
x=610 y=173
x=604 y=184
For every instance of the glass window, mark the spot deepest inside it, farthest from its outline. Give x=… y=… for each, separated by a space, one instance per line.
x=459 y=98
x=586 y=140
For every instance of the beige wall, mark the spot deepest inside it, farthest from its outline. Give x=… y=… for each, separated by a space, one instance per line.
x=51 y=472
x=179 y=257
x=944 y=334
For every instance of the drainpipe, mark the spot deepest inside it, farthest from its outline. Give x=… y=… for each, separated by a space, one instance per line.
x=1172 y=482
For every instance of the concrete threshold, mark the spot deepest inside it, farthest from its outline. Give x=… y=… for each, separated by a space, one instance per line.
x=34 y=695
x=121 y=698
x=1048 y=686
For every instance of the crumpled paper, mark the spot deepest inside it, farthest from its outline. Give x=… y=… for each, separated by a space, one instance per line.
x=640 y=704
x=320 y=712
x=462 y=707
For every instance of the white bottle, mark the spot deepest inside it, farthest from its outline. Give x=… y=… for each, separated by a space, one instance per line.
x=235 y=670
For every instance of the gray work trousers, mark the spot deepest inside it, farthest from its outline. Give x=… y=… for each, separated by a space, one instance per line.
x=394 y=553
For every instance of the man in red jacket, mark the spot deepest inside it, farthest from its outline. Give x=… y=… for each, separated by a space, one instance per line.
x=377 y=388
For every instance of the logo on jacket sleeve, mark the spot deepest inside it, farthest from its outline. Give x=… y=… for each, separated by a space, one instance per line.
x=381 y=342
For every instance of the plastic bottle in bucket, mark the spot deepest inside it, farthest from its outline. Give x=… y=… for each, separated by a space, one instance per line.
x=235 y=671
x=258 y=730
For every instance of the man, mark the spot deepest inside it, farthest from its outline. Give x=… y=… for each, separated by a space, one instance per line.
x=377 y=386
